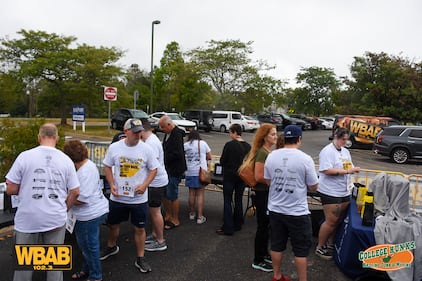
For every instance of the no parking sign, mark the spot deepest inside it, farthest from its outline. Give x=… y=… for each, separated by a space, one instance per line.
x=110 y=93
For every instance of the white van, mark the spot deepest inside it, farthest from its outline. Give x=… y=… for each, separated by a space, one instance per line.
x=224 y=119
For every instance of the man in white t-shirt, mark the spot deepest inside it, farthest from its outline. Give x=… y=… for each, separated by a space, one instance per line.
x=290 y=173
x=45 y=180
x=156 y=192
x=135 y=167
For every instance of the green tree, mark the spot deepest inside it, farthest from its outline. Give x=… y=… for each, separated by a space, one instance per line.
x=226 y=65
x=387 y=85
x=71 y=75
x=314 y=96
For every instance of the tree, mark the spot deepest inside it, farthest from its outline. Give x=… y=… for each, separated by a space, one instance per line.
x=387 y=85
x=177 y=83
x=72 y=75
x=227 y=67
x=315 y=94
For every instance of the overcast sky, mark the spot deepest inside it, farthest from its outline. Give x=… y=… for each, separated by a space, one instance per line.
x=289 y=34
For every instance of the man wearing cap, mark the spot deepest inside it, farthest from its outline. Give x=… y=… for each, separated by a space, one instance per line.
x=290 y=172
x=135 y=166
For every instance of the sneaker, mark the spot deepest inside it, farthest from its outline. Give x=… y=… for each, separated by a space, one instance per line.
x=201 y=220
x=109 y=251
x=142 y=265
x=267 y=259
x=192 y=216
x=150 y=239
x=283 y=278
x=323 y=253
x=329 y=248
x=155 y=246
x=262 y=266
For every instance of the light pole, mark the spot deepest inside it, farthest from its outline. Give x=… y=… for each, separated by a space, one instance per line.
x=152 y=63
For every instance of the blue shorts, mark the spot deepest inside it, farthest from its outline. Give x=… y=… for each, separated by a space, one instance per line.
x=193 y=182
x=173 y=188
x=298 y=228
x=119 y=212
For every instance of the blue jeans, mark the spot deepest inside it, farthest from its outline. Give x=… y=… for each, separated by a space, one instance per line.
x=88 y=238
x=173 y=188
x=233 y=215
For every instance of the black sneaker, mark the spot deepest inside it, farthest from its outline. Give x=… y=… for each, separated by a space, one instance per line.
x=142 y=265
x=109 y=251
x=323 y=253
x=267 y=259
x=262 y=266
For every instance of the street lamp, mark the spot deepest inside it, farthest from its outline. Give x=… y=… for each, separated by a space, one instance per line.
x=152 y=63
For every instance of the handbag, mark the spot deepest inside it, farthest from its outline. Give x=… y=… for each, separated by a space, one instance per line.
x=204 y=175
x=247 y=174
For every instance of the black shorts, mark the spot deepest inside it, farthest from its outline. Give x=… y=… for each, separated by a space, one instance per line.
x=156 y=195
x=119 y=212
x=298 y=228
x=327 y=199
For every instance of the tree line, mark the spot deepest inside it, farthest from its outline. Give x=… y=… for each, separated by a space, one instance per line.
x=44 y=74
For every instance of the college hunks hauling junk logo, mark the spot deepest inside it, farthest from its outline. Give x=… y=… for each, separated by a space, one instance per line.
x=388 y=257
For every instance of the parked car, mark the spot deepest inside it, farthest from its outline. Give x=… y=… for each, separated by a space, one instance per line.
x=325 y=123
x=202 y=118
x=274 y=118
x=304 y=125
x=249 y=123
x=400 y=143
x=178 y=120
x=120 y=116
x=223 y=119
x=313 y=122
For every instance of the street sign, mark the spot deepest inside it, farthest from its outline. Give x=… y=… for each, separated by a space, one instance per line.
x=78 y=113
x=110 y=93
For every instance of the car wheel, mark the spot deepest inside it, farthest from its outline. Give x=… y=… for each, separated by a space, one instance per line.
x=400 y=155
x=223 y=129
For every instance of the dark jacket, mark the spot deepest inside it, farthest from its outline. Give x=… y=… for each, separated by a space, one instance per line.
x=174 y=153
x=232 y=157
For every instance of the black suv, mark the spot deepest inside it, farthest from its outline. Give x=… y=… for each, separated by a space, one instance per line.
x=400 y=143
x=202 y=118
x=120 y=116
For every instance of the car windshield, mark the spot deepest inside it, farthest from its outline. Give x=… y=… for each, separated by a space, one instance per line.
x=138 y=113
x=285 y=116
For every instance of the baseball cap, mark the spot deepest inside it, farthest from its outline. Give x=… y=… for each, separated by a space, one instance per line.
x=133 y=124
x=292 y=131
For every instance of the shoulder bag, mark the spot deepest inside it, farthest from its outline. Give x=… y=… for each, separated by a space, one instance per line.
x=204 y=175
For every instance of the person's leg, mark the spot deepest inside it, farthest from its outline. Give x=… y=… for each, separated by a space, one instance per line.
x=113 y=234
x=191 y=200
x=262 y=230
x=199 y=193
x=168 y=216
x=333 y=214
x=55 y=237
x=277 y=258
x=228 y=189
x=172 y=196
x=81 y=233
x=238 y=205
x=279 y=236
x=24 y=238
x=175 y=208
x=157 y=223
x=139 y=238
x=300 y=263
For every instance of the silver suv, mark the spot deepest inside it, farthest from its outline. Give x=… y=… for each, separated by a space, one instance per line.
x=400 y=143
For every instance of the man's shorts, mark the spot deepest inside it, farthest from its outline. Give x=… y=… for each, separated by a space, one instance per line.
x=298 y=228
x=173 y=188
x=327 y=199
x=119 y=212
x=155 y=196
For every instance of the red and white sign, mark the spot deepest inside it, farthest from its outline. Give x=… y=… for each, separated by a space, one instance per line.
x=110 y=93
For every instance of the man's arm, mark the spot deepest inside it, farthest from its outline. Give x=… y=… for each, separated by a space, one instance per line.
x=110 y=179
x=140 y=189
x=72 y=197
x=12 y=188
x=313 y=187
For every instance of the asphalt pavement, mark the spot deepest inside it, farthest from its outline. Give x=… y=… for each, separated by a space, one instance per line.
x=195 y=252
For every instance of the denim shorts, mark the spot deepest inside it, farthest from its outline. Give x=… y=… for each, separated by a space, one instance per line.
x=193 y=182
x=119 y=212
x=173 y=188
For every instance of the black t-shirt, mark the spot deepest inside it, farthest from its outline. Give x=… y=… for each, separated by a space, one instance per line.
x=232 y=157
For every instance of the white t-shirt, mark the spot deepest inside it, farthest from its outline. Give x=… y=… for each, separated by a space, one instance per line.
x=291 y=171
x=161 y=179
x=45 y=174
x=330 y=157
x=193 y=159
x=132 y=165
x=91 y=194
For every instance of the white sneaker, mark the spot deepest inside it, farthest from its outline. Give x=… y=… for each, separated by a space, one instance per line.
x=201 y=220
x=192 y=216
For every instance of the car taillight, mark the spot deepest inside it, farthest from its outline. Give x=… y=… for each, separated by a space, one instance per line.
x=379 y=139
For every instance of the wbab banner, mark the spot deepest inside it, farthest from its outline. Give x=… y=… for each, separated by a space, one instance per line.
x=43 y=257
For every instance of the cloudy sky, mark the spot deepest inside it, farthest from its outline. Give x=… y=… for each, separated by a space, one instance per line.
x=289 y=34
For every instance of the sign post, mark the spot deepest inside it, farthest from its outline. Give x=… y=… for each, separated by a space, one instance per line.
x=110 y=94
x=78 y=115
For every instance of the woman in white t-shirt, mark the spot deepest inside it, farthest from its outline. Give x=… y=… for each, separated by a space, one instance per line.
x=90 y=210
x=335 y=168
x=197 y=153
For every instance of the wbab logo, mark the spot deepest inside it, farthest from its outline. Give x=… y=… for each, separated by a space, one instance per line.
x=388 y=257
x=44 y=257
